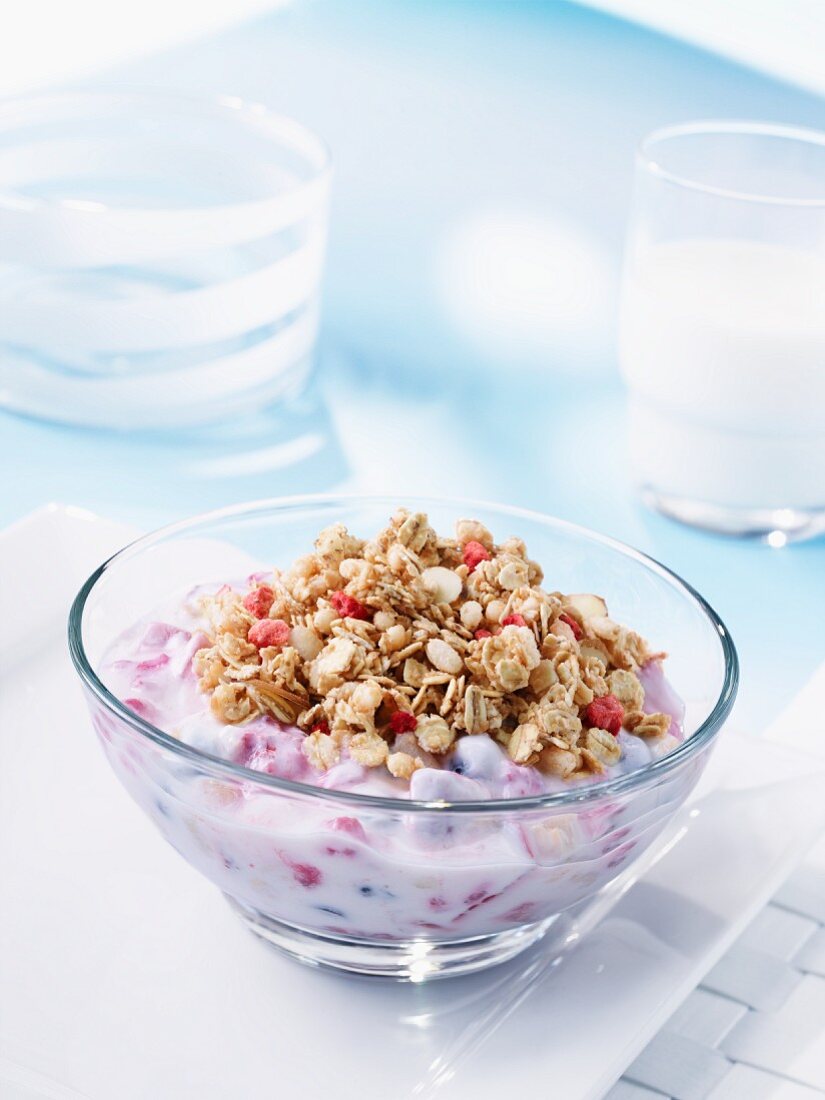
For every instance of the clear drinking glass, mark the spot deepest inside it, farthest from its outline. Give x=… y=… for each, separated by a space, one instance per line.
x=722 y=334
x=160 y=256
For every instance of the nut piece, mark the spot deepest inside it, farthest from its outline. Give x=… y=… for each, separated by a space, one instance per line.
x=394 y=639
x=556 y=761
x=443 y=657
x=495 y=609
x=433 y=734
x=587 y=605
x=445 y=584
x=475 y=710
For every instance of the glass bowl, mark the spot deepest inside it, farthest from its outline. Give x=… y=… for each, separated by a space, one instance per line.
x=389 y=886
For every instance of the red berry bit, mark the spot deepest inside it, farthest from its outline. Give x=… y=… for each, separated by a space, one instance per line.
x=259 y=600
x=514 y=620
x=268 y=632
x=348 y=607
x=306 y=874
x=606 y=712
x=349 y=825
x=481 y=633
x=320 y=727
x=574 y=626
x=403 y=722
x=473 y=553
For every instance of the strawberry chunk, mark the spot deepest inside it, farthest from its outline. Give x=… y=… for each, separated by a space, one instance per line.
x=403 y=722
x=474 y=553
x=482 y=633
x=268 y=632
x=349 y=825
x=348 y=607
x=574 y=626
x=259 y=601
x=514 y=620
x=606 y=712
x=320 y=727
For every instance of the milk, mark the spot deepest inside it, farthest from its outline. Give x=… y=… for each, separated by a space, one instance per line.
x=722 y=344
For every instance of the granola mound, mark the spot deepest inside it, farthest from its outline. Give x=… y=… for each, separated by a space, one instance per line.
x=388 y=650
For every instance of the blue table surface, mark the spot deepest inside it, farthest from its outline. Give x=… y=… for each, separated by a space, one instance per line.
x=445 y=119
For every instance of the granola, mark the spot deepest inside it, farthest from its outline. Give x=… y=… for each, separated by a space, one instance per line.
x=389 y=650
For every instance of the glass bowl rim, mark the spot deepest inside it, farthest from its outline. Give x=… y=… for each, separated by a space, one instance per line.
x=646 y=159
x=215 y=764
x=218 y=106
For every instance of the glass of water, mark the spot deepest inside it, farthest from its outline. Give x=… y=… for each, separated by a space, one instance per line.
x=160 y=256
x=722 y=333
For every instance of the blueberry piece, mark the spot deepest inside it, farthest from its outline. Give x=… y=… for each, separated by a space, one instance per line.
x=367 y=891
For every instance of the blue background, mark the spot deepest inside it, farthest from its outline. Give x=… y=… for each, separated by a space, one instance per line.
x=444 y=117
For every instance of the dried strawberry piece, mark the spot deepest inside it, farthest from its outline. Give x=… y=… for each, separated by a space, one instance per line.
x=514 y=620
x=403 y=722
x=259 y=601
x=473 y=553
x=268 y=632
x=482 y=633
x=320 y=727
x=348 y=607
x=574 y=626
x=606 y=712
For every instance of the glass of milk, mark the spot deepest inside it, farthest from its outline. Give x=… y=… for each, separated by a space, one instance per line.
x=722 y=332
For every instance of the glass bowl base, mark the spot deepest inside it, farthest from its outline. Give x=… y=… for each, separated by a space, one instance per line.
x=775 y=526
x=405 y=961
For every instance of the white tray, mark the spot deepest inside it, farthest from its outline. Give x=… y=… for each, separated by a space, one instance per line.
x=124 y=976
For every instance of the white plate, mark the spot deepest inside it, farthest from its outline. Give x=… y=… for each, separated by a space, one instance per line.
x=124 y=976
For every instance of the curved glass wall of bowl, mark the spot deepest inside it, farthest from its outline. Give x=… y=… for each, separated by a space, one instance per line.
x=161 y=256
x=373 y=884
x=722 y=340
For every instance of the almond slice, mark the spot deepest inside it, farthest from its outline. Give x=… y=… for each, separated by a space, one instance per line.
x=445 y=584
x=587 y=605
